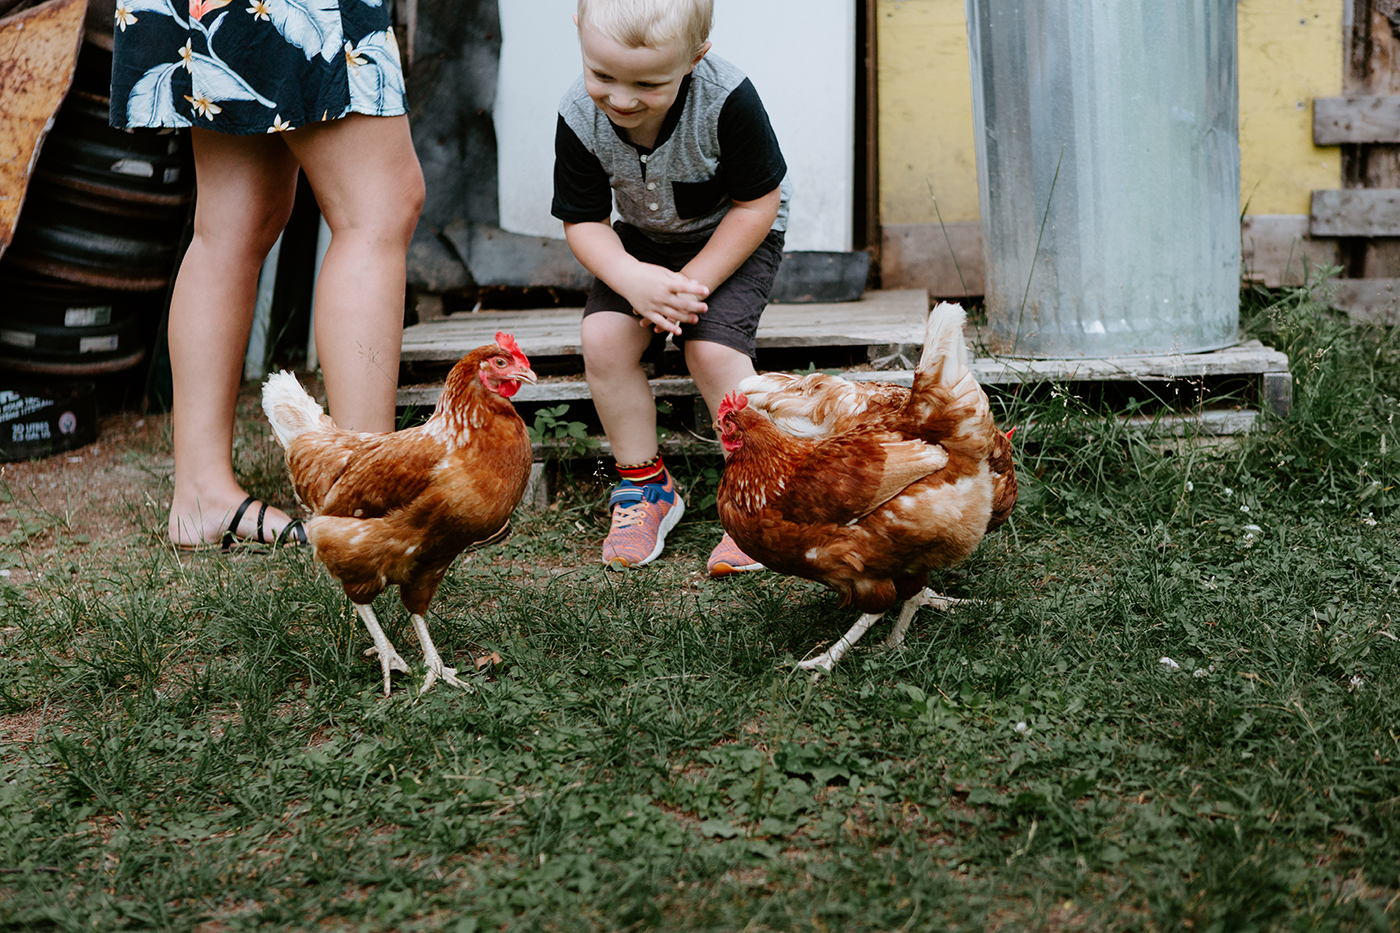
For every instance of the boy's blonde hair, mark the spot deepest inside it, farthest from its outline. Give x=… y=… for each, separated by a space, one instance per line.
x=650 y=24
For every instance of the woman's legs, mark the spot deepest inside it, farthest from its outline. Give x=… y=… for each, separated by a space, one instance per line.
x=247 y=185
x=370 y=189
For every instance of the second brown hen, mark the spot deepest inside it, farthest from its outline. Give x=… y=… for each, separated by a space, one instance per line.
x=867 y=488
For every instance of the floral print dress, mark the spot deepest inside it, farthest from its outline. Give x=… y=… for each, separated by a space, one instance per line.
x=252 y=66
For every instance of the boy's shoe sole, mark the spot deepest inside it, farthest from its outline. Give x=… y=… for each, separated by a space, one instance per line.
x=728 y=559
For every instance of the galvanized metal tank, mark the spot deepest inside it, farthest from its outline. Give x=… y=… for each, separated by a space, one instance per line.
x=1108 y=166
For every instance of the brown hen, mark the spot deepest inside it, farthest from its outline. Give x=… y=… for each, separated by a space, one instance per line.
x=396 y=509
x=867 y=487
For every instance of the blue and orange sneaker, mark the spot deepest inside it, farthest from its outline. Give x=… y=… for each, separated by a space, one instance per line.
x=727 y=558
x=642 y=516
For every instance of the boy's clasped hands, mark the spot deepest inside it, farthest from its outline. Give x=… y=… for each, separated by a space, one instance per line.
x=663 y=299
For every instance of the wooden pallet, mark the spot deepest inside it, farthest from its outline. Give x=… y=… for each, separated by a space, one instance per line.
x=888 y=326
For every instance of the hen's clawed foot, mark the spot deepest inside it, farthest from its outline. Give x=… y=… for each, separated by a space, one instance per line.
x=389 y=659
x=436 y=669
x=447 y=675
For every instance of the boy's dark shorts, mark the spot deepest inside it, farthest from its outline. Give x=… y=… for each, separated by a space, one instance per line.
x=734 y=307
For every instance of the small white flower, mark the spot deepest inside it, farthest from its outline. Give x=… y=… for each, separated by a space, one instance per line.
x=1369 y=520
x=1190 y=486
x=1169 y=664
x=1244 y=508
x=1356 y=683
x=1199 y=672
x=1022 y=728
x=1253 y=530
x=1229 y=491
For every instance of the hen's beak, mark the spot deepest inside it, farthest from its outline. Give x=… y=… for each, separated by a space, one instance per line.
x=525 y=375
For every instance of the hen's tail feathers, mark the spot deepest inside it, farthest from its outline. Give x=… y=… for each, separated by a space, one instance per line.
x=289 y=408
x=945 y=352
x=946 y=400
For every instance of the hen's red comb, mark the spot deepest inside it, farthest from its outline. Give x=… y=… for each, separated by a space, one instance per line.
x=1009 y=433
x=734 y=401
x=507 y=342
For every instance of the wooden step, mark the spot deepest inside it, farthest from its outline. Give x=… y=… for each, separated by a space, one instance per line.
x=1247 y=359
x=879 y=319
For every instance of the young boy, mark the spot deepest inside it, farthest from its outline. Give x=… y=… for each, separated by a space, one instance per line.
x=682 y=141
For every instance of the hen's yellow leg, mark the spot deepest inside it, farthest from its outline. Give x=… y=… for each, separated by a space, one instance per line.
x=825 y=661
x=436 y=669
x=389 y=659
x=925 y=597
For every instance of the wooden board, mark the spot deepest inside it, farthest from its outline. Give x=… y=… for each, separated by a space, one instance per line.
x=880 y=318
x=1203 y=427
x=1371 y=47
x=1361 y=119
x=1251 y=358
x=38 y=50
x=1275 y=249
x=1356 y=212
x=1368 y=301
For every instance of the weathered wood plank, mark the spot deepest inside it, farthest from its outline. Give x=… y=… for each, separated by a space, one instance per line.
x=1201 y=425
x=1359 y=119
x=1369 y=301
x=1275 y=249
x=1356 y=212
x=881 y=317
x=1251 y=358
x=38 y=49
x=1371 y=50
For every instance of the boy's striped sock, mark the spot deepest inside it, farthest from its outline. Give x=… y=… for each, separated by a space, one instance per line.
x=651 y=471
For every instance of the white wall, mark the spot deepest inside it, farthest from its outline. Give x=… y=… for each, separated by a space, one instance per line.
x=799 y=53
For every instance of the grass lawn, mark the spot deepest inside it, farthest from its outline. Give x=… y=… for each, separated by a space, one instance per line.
x=197 y=742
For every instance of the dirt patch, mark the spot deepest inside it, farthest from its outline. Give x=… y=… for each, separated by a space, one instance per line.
x=99 y=494
x=116 y=491
x=19 y=729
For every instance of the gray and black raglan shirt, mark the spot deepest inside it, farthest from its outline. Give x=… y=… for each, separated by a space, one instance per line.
x=716 y=146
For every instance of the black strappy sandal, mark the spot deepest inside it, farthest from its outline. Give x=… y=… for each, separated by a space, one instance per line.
x=293 y=535
x=230 y=537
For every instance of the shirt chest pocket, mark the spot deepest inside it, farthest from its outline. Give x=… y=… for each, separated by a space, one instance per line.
x=697 y=198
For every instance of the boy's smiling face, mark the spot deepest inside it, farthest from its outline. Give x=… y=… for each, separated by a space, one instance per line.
x=635 y=88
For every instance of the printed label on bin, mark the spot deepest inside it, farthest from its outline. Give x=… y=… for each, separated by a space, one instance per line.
x=17 y=338
x=32 y=431
x=67 y=423
x=172 y=175
x=98 y=344
x=13 y=405
x=88 y=317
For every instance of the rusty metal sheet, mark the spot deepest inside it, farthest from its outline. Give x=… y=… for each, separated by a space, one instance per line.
x=38 y=51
